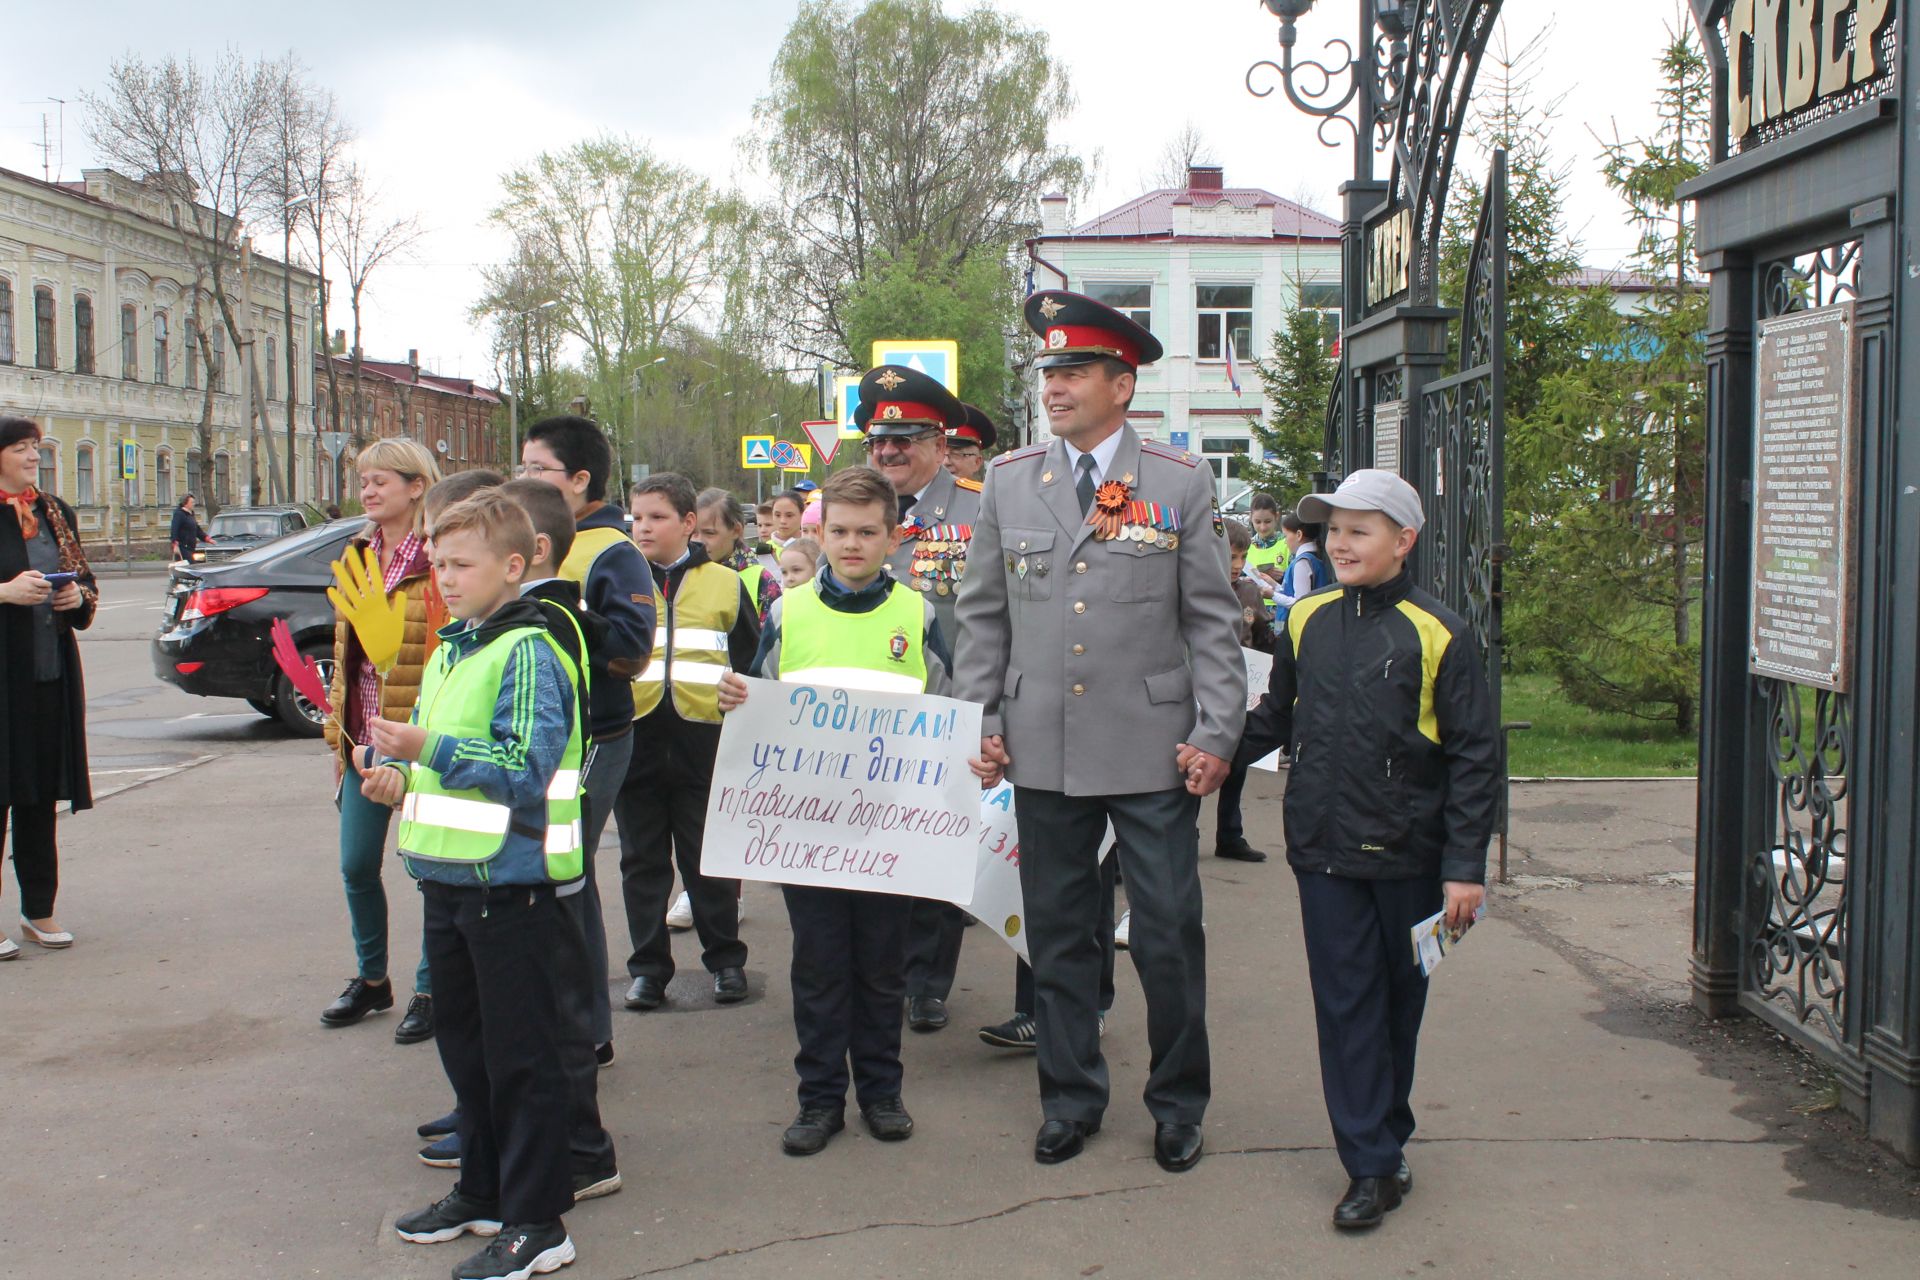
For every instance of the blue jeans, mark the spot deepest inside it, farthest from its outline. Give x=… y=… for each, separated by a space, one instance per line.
x=363 y=845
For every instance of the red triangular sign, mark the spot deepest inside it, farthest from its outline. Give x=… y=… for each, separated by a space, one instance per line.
x=826 y=439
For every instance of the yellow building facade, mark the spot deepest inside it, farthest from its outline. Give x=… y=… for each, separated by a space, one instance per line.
x=101 y=345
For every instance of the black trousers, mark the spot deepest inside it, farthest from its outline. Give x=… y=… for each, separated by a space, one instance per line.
x=934 y=932
x=663 y=816
x=606 y=773
x=849 y=963
x=1060 y=877
x=1023 y=972
x=1227 y=824
x=36 y=860
x=509 y=975
x=1368 y=998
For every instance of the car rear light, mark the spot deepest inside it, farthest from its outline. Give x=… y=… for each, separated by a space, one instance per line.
x=208 y=601
x=188 y=668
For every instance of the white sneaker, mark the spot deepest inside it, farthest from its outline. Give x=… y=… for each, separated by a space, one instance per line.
x=680 y=914
x=9 y=949
x=1121 y=930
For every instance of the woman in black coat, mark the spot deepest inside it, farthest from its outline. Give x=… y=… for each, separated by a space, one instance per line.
x=47 y=593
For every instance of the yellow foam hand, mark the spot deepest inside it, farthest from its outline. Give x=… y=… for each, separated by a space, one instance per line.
x=359 y=593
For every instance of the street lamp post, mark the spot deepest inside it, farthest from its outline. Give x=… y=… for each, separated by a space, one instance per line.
x=633 y=387
x=513 y=401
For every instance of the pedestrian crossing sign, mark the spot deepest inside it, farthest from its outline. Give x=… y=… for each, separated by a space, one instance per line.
x=792 y=457
x=756 y=453
x=846 y=397
x=938 y=358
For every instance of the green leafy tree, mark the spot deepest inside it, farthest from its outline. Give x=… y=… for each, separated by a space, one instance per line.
x=901 y=134
x=1618 y=571
x=973 y=302
x=1297 y=377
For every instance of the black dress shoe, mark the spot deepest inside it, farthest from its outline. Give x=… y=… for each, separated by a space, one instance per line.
x=646 y=993
x=1403 y=1177
x=1060 y=1140
x=357 y=1001
x=811 y=1130
x=730 y=985
x=418 y=1024
x=1238 y=851
x=1368 y=1201
x=926 y=1013
x=887 y=1120
x=1177 y=1147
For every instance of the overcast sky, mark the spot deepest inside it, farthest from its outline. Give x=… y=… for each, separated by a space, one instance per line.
x=448 y=96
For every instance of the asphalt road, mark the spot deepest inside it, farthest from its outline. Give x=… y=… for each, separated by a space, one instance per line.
x=174 y=1109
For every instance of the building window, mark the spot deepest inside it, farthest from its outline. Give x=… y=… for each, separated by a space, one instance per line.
x=83 y=474
x=129 y=343
x=191 y=378
x=1223 y=313
x=222 y=480
x=163 y=477
x=193 y=473
x=1228 y=458
x=273 y=378
x=1324 y=299
x=49 y=477
x=6 y=321
x=1135 y=301
x=160 y=360
x=43 y=328
x=219 y=378
x=82 y=333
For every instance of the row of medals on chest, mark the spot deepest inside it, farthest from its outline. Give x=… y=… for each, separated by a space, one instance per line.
x=1166 y=539
x=939 y=558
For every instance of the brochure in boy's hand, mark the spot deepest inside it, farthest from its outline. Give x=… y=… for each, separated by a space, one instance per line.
x=1432 y=940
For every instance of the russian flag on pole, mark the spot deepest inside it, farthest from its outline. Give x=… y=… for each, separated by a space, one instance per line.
x=1233 y=371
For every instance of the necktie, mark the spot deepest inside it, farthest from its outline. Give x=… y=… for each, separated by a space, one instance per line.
x=907 y=501
x=1084 y=487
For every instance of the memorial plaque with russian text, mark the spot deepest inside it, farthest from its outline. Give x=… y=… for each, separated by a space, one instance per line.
x=1805 y=429
x=1389 y=416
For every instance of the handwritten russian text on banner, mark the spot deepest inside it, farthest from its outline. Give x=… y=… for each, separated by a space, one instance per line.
x=847 y=789
x=1259 y=671
x=998 y=902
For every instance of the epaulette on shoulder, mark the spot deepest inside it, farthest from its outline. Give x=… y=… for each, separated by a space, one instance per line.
x=971 y=486
x=1031 y=451
x=1168 y=452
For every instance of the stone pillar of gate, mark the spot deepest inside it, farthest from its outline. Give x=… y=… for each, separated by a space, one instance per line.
x=1732 y=801
x=1405 y=346
x=1358 y=201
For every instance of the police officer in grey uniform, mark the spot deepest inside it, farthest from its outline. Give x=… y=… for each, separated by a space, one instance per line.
x=907 y=417
x=1097 y=632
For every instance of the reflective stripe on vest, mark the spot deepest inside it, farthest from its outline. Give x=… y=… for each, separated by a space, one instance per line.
x=690 y=644
x=882 y=650
x=442 y=824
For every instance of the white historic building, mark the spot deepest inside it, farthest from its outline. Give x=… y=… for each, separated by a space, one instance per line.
x=1213 y=271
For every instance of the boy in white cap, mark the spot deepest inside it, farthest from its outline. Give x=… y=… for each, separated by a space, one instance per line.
x=1380 y=692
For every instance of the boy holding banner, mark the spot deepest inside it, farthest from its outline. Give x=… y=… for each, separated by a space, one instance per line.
x=852 y=627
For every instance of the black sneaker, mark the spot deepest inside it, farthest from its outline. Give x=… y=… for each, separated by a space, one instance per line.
x=603 y=1054
x=887 y=1120
x=811 y=1130
x=357 y=1001
x=591 y=1185
x=1237 y=849
x=518 y=1253
x=449 y=1219
x=444 y=1153
x=1017 y=1032
x=418 y=1024
x=446 y=1124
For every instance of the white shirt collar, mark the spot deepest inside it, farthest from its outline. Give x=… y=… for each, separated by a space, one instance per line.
x=1103 y=454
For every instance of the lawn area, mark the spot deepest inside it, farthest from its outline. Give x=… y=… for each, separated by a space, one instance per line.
x=1569 y=741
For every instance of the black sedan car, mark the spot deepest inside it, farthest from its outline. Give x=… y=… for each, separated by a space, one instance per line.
x=216 y=636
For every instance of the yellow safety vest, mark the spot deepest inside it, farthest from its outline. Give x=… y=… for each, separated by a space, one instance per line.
x=882 y=650
x=690 y=644
x=588 y=546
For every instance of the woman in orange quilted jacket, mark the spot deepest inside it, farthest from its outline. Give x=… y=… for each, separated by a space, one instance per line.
x=395 y=474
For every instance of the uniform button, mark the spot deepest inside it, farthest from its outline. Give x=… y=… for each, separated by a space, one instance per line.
x=1079 y=689
x=1079 y=606
x=1079 y=650
x=1023 y=546
x=1081 y=567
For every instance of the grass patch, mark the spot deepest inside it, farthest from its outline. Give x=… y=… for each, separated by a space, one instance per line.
x=1569 y=741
